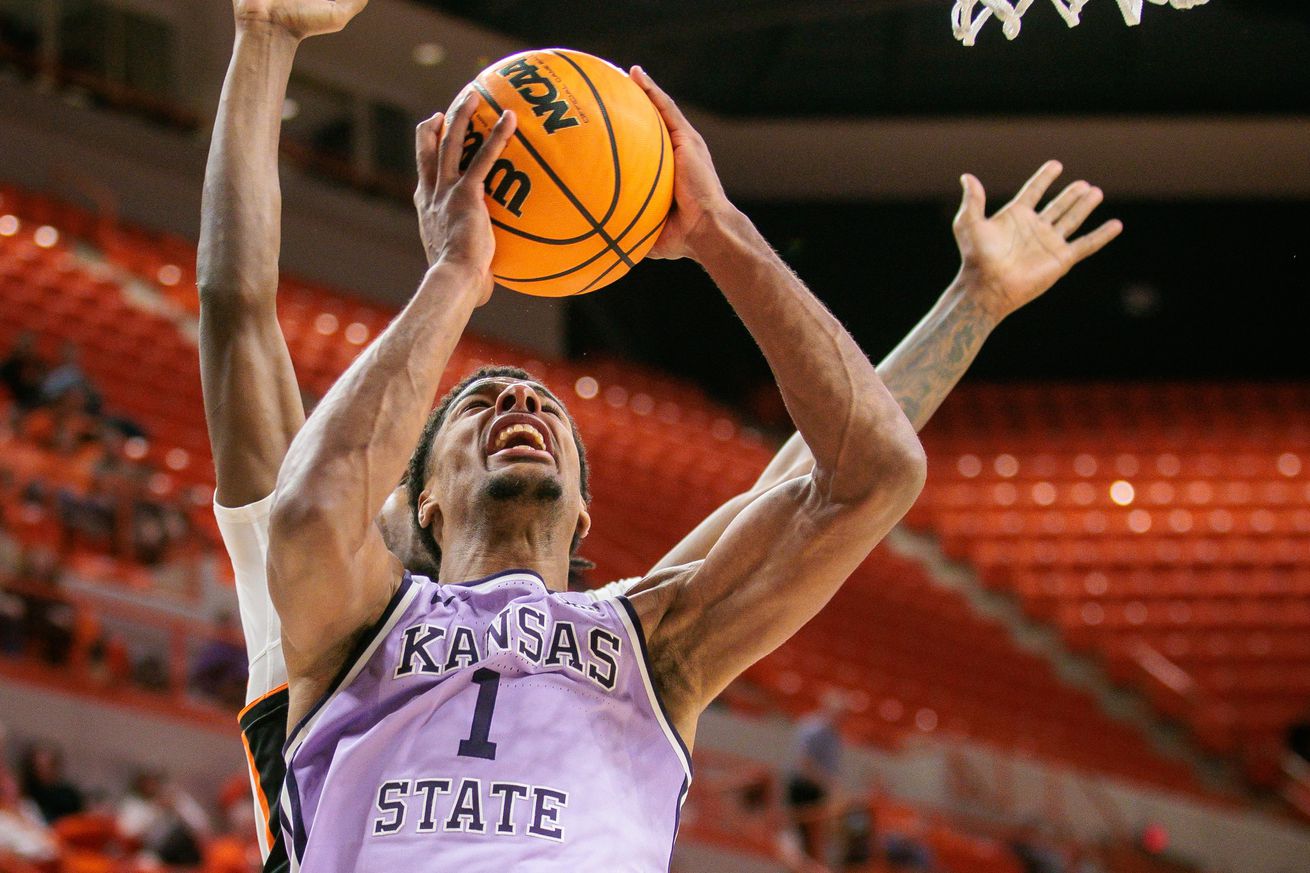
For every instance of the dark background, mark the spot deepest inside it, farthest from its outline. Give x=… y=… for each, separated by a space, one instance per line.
x=1192 y=290
x=790 y=58
x=1199 y=291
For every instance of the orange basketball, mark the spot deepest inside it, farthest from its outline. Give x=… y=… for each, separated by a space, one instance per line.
x=580 y=193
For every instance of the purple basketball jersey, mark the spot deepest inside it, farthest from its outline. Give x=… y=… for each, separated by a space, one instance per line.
x=493 y=725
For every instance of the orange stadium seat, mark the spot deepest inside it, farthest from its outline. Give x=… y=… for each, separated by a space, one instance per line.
x=1194 y=539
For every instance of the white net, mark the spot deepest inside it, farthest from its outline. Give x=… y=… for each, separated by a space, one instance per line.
x=969 y=16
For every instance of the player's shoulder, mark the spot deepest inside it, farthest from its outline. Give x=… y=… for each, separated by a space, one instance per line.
x=662 y=578
x=655 y=595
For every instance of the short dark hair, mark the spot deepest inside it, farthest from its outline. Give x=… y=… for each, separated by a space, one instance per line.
x=416 y=474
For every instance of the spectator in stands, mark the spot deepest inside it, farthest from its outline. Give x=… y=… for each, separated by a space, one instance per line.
x=22 y=372
x=903 y=852
x=47 y=616
x=44 y=783
x=63 y=424
x=150 y=671
x=24 y=836
x=69 y=377
x=12 y=607
x=163 y=820
x=220 y=668
x=1035 y=852
x=856 y=838
x=118 y=512
x=89 y=518
x=234 y=848
x=814 y=783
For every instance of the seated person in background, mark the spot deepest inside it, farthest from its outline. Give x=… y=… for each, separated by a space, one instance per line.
x=62 y=425
x=24 y=837
x=1036 y=851
x=47 y=617
x=220 y=669
x=21 y=373
x=814 y=783
x=69 y=376
x=44 y=783
x=163 y=820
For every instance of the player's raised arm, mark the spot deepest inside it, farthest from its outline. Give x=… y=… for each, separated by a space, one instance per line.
x=1006 y=261
x=252 y=401
x=789 y=551
x=329 y=572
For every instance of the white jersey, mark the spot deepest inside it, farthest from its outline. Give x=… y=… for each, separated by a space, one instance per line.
x=245 y=534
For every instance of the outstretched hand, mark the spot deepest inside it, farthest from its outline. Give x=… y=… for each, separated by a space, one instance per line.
x=299 y=18
x=697 y=191
x=1016 y=255
x=452 y=207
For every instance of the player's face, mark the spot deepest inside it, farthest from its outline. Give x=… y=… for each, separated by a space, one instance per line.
x=507 y=443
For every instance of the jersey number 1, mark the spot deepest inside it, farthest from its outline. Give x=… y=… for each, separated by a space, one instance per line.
x=478 y=745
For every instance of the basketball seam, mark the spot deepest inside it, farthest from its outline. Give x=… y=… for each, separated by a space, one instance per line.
x=635 y=246
x=655 y=183
x=559 y=183
x=591 y=260
x=609 y=129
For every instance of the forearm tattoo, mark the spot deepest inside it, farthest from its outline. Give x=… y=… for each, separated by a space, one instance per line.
x=924 y=368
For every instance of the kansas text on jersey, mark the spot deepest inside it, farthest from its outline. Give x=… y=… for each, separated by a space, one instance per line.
x=488 y=725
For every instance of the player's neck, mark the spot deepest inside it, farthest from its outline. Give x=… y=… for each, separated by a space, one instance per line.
x=477 y=555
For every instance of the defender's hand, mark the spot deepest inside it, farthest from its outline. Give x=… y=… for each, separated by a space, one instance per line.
x=1013 y=257
x=452 y=208
x=299 y=18
x=697 y=191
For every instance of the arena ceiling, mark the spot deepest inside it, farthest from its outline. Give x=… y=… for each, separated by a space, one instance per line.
x=889 y=58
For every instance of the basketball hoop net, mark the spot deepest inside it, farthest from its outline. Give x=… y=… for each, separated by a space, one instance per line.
x=967 y=19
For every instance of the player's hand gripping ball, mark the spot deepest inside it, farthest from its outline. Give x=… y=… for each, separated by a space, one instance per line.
x=581 y=192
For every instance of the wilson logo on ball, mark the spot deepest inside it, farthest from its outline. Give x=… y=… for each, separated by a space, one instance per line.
x=506 y=185
x=541 y=92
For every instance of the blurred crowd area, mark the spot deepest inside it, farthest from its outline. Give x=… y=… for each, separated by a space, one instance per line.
x=50 y=822
x=83 y=515
x=120 y=506
x=815 y=813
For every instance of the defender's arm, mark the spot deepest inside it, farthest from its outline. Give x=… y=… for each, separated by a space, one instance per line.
x=329 y=572
x=1007 y=261
x=788 y=552
x=252 y=401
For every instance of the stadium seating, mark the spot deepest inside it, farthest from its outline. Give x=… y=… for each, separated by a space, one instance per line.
x=1185 y=543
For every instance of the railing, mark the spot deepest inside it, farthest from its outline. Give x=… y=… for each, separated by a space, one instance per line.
x=94 y=643
x=169 y=113
x=113 y=94
x=1171 y=688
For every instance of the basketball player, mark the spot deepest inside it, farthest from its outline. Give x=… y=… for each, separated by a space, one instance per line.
x=253 y=403
x=396 y=680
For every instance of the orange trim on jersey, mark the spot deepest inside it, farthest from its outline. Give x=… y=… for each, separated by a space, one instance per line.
x=259 y=791
x=260 y=699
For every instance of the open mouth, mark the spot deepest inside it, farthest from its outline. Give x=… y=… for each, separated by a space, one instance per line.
x=519 y=436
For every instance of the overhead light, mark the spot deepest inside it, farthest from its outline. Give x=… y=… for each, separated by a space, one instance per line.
x=1140 y=299
x=429 y=54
